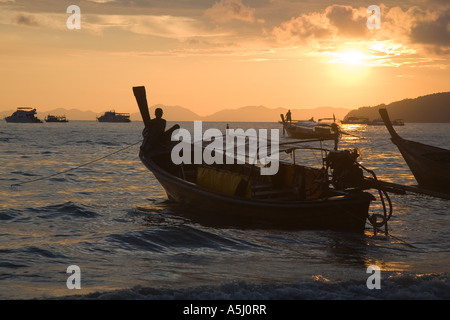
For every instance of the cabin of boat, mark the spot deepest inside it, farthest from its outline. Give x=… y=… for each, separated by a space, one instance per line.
x=112 y=116
x=52 y=118
x=24 y=115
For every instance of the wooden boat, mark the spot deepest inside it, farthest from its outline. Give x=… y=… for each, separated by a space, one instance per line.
x=297 y=197
x=430 y=165
x=310 y=129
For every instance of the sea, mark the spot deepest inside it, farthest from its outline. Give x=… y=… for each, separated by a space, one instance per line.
x=81 y=218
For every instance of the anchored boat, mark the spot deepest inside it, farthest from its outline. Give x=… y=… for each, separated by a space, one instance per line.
x=52 y=118
x=112 y=116
x=310 y=129
x=297 y=196
x=380 y=122
x=430 y=165
x=24 y=115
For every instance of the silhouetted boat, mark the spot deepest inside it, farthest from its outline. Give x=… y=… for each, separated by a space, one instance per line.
x=24 y=115
x=380 y=122
x=430 y=165
x=296 y=197
x=310 y=129
x=52 y=118
x=355 y=120
x=112 y=116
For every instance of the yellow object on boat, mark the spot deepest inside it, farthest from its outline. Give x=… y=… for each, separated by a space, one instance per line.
x=221 y=181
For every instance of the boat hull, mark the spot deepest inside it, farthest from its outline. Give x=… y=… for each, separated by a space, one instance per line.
x=429 y=173
x=430 y=165
x=300 y=133
x=343 y=213
x=113 y=120
x=21 y=120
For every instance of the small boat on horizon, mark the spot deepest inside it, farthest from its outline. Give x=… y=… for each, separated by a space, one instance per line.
x=430 y=165
x=112 y=116
x=52 y=118
x=380 y=122
x=24 y=115
x=355 y=120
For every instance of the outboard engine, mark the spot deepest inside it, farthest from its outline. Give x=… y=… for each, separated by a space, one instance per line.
x=346 y=171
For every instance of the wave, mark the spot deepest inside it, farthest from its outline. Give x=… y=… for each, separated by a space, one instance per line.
x=67 y=209
x=398 y=286
x=176 y=239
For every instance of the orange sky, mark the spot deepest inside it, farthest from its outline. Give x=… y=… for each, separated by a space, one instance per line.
x=209 y=55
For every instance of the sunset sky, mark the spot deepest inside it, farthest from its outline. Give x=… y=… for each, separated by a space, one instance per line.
x=208 y=55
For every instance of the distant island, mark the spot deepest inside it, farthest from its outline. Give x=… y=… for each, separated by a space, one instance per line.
x=250 y=114
x=432 y=108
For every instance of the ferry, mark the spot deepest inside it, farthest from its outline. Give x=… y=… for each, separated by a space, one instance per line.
x=52 y=118
x=112 y=116
x=24 y=115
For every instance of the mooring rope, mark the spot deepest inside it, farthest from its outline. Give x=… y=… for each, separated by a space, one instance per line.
x=77 y=167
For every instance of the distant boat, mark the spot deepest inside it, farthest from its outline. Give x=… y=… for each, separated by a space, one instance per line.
x=24 y=115
x=112 y=116
x=355 y=120
x=310 y=129
x=430 y=165
x=51 y=118
x=380 y=122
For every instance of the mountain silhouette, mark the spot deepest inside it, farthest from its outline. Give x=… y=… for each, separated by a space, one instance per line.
x=432 y=108
x=429 y=108
x=246 y=114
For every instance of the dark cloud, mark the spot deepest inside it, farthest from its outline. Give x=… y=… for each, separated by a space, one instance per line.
x=346 y=21
x=112 y=7
x=301 y=29
x=25 y=20
x=333 y=21
x=435 y=32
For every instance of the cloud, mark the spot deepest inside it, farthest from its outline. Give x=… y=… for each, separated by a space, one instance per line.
x=347 y=21
x=303 y=28
x=101 y=1
x=334 y=21
x=25 y=20
x=414 y=27
x=414 y=37
x=434 y=32
x=164 y=26
x=227 y=10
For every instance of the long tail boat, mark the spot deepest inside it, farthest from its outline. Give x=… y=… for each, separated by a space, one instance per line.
x=296 y=197
x=430 y=165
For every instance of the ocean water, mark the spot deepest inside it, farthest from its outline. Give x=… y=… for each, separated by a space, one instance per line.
x=112 y=219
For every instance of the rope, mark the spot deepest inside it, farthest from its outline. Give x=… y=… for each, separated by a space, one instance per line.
x=75 y=168
x=375 y=227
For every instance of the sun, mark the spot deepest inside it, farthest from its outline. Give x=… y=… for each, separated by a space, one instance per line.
x=349 y=67
x=351 y=58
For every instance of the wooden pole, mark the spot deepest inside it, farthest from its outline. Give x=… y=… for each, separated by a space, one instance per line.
x=389 y=186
